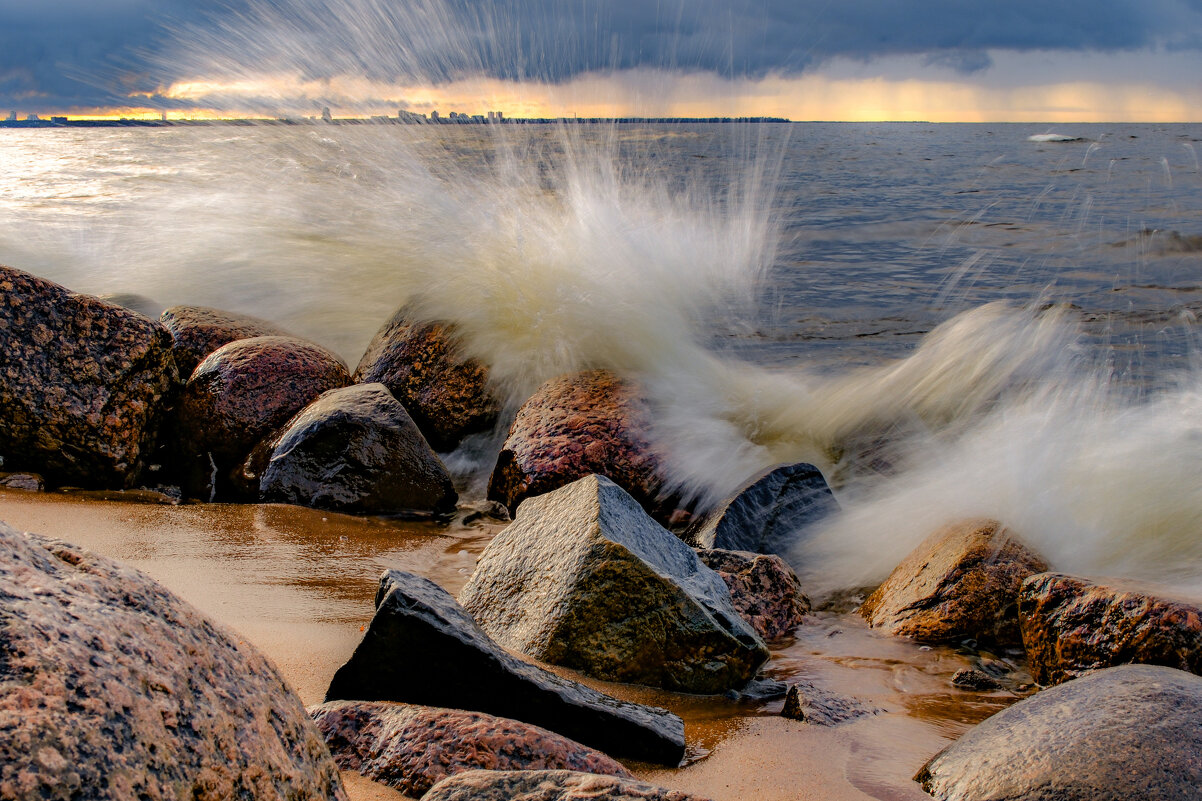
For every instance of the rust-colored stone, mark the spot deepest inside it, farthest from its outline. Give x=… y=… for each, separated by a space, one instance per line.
x=197 y=331
x=240 y=394
x=764 y=589
x=82 y=384
x=412 y=747
x=446 y=394
x=1073 y=625
x=961 y=582
x=579 y=425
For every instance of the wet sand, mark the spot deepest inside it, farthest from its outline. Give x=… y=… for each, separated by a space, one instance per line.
x=299 y=584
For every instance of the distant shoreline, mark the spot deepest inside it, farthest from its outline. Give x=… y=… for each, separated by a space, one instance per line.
x=133 y=123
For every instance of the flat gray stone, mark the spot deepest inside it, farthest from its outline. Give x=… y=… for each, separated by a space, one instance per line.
x=547 y=785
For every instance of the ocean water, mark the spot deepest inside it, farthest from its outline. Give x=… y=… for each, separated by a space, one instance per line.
x=950 y=320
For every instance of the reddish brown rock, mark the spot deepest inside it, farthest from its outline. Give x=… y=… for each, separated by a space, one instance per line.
x=411 y=748
x=575 y=426
x=241 y=393
x=547 y=785
x=1073 y=625
x=113 y=688
x=446 y=394
x=197 y=331
x=764 y=589
x=82 y=384
x=961 y=582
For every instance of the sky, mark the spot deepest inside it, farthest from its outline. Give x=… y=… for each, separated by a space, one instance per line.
x=937 y=60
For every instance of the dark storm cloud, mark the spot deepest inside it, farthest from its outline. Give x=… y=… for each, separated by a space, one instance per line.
x=61 y=53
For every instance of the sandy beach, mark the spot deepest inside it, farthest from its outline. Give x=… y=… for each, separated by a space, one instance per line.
x=299 y=584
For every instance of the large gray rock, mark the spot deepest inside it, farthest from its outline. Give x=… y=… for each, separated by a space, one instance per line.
x=82 y=384
x=547 y=785
x=585 y=579
x=1128 y=733
x=411 y=747
x=423 y=648
x=356 y=450
x=113 y=688
x=768 y=515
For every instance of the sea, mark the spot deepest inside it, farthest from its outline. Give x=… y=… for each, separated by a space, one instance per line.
x=948 y=320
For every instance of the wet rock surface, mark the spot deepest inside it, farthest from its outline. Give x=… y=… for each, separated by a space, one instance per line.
x=578 y=425
x=356 y=450
x=811 y=704
x=82 y=384
x=30 y=482
x=961 y=582
x=411 y=748
x=1123 y=734
x=1071 y=625
x=197 y=331
x=240 y=394
x=973 y=679
x=113 y=688
x=763 y=588
x=446 y=394
x=423 y=648
x=769 y=515
x=547 y=785
x=585 y=579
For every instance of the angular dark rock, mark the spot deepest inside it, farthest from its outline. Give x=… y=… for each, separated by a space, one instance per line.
x=446 y=394
x=585 y=579
x=547 y=785
x=238 y=395
x=961 y=582
x=113 y=688
x=763 y=588
x=30 y=482
x=1128 y=733
x=811 y=704
x=82 y=384
x=353 y=450
x=423 y=648
x=197 y=331
x=1073 y=625
x=411 y=748
x=972 y=679
x=769 y=514
x=575 y=426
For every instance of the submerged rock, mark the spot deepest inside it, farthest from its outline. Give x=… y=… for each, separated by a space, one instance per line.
x=810 y=704
x=973 y=679
x=113 y=688
x=1073 y=625
x=575 y=426
x=768 y=515
x=412 y=747
x=134 y=302
x=585 y=579
x=82 y=383
x=446 y=394
x=423 y=648
x=547 y=785
x=197 y=331
x=763 y=588
x=241 y=393
x=1124 y=734
x=961 y=582
x=354 y=450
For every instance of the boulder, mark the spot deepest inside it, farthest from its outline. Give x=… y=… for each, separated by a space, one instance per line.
x=412 y=747
x=960 y=583
x=240 y=394
x=1072 y=625
x=82 y=384
x=585 y=579
x=763 y=588
x=768 y=515
x=547 y=785
x=445 y=393
x=1123 y=734
x=353 y=450
x=197 y=331
x=423 y=648
x=113 y=688
x=575 y=426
